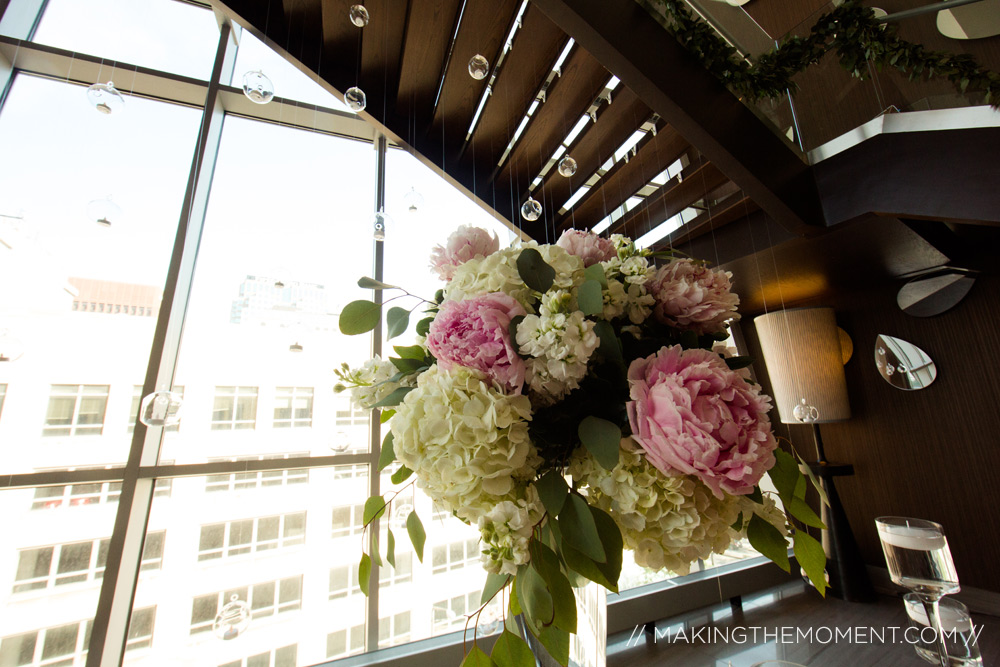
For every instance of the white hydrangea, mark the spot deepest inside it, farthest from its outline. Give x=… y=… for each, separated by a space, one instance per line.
x=560 y=343
x=669 y=522
x=467 y=441
x=498 y=273
x=369 y=383
x=506 y=531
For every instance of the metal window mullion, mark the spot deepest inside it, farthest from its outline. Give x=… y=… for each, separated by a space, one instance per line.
x=109 y=632
x=374 y=478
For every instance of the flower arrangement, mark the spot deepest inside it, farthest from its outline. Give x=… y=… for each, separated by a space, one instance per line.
x=566 y=399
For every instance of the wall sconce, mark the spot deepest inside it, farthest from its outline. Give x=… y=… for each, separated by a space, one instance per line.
x=805 y=363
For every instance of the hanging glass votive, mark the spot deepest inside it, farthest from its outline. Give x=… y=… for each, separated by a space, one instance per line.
x=359 y=15
x=105 y=98
x=257 y=87
x=479 y=67
x=413 y=200
x=104 y=211
x=805 y=413
x=232 y=619
x=531 y=210
x=382 y=220
x=355 y=99
x=567 y=166
x=161 y=408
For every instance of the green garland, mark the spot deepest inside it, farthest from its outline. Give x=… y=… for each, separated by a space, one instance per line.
x=851 y=30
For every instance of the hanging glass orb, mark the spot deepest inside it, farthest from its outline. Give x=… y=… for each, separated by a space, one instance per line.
x=105 y=98
x=232 y=619
x=567 y=166
x=414 y=200
x=161 y=408
x=805 y=413
x=479 y=67
x=359 y=15
x=258 y=87
x=341 y=442
x=531 y=210
x=104 y=211
x=11 y=349
x=355 y=99
x=295 y=347
x=382 y=221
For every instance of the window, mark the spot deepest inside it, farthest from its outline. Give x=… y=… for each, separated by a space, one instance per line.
x=265 y=599
x=351 y=472
x=243 y=481
x=394 y=629
x=337 y=642
x=66 y=645
x=75 y=495
x=42 y=567
x=344 y=582
x=235 y=408
x=286 y=656
x=237 y=538
x=293 y=407
x=401 y=574
x=348 y=520
x=140 y=628
x=455 y=555
x=450 y=614
x=76 y=409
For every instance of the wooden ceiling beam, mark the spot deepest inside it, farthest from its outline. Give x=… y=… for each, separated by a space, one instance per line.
x=429 y=28
x=627 y=40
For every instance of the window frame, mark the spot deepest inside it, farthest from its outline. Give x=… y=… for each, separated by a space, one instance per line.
x=78 y=395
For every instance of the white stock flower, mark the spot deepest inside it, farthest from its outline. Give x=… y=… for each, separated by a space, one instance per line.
x=466 y=441
x=506 y=531
x=371 y=382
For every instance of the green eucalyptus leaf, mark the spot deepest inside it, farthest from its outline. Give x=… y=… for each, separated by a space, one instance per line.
x=400 y=475
x=494 y=584
x=800 y=487
x=390 y=548
x=610 y=346
x=800 y=509
x=736 y=363
x=576 y=524
x=806 y=470
x=376 y=557
x=394 y=398
x=589 y=297
x=415 y=529
x=396 y=319
x=374 y=507
x=766 y=539
x=410 y=352
x=738 y=524
x=756 y=496
x=811 y=557
x=533 y=270
x=371 y=283
x=407 y=366
x=611 y=538
x=364 y=573
x=476 y=658
x=602 y=439
x=596 y=272
x=552 y=490
x=386 y=455
x=784 y=474
x=513 y=604
x=511 y=651
x=424 y=326
x=385 y=416
x=533 y=596
x=359 y=317
x=556 y=642
x=515 y=322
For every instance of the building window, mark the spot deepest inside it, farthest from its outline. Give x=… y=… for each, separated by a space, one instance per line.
x=74 y=495
x=353 y=415
x=348 y=520
x=286 y=656
x=235 y=408
x=76 y=409
x=243 y=481
x=344 y=582
x=44 y=567
x=237 y=538
x=337 y=642
x=401 y=574
x=455 y=555
x=293 y=407
x=66 y=645
x=353 y=471
x=140 y=628
x=265 y=599
x=449 y=614
x=394 y=629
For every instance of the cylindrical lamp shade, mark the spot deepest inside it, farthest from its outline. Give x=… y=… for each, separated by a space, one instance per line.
x=802 y=352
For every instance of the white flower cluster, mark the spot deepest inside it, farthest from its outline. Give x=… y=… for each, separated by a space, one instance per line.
x=560 y=344
x=369 y=383
x=506 y=530
x=498 y=273
x=466 y=441
x=632 y=301
x=667 y=521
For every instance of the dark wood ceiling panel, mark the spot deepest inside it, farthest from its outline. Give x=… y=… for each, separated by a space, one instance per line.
x=614 y=125
x=672 y=198
x=341 y=41
x=381 y=46
x=626 y=179
x=304 y=31
x=568 y=98
x=537 y=45
x=484 y=26
x=429 y=28
x=734 y=207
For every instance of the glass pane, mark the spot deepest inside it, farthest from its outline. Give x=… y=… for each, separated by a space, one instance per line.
x=176 y=37
x=60 y=155
x=266 y=281
x=286 y=585
x=50 y=585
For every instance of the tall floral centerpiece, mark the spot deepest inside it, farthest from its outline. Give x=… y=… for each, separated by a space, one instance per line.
x=569 y=400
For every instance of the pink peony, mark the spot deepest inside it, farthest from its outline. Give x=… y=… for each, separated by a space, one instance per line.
x=464 y=244
x=691 y=296
x=475 y=333
x=588 y=246
x=694 y=416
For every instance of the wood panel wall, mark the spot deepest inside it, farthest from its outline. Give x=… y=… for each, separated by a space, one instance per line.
x=933 y=453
